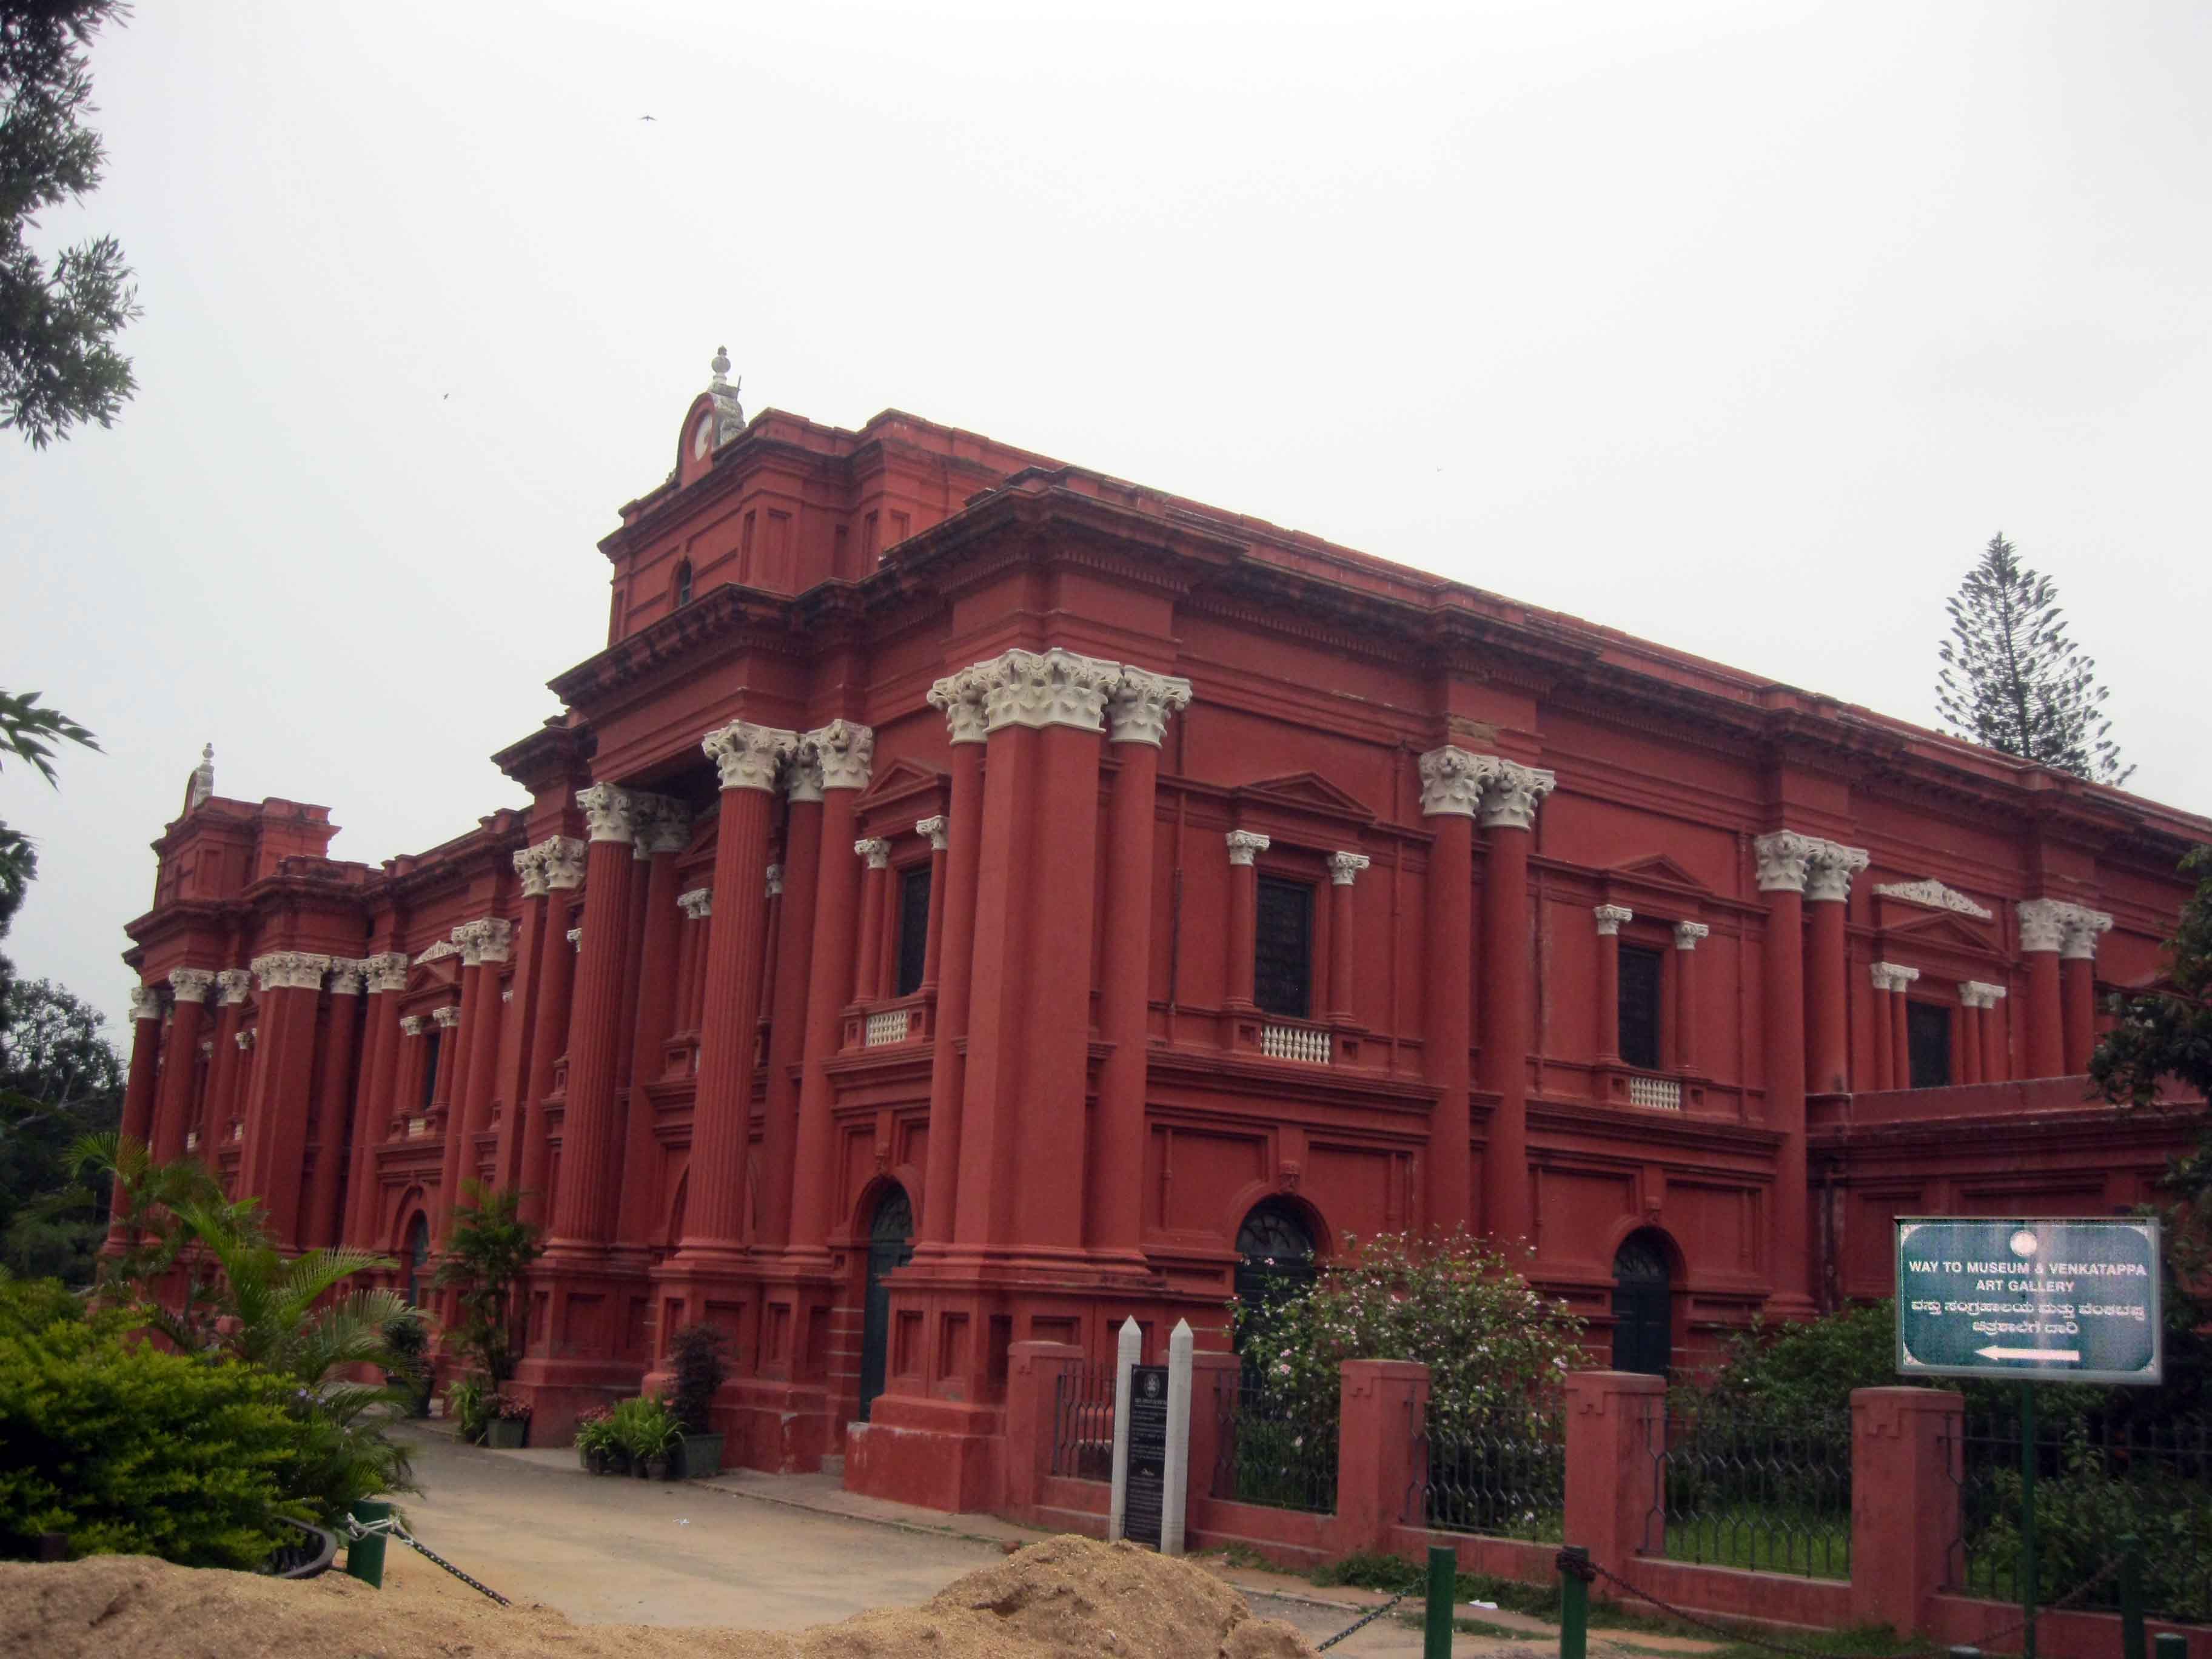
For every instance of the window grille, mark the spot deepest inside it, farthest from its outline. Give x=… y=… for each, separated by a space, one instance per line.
x=1295 y=1043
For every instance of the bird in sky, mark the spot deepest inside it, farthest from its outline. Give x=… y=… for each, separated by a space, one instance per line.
x=648 y=117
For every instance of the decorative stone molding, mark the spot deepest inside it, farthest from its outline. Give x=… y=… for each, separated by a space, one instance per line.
x=386 y=971
x=2049 y=924
x=698 y=904
x=774 y=880
x=934 y=829
x=1344 y=868
x=484 y=940
x=245 y=1041
x=1890 y=976
x=609 y=813
x=802 y=772
x=1688 y=933
x=1242 y=844
x=575 y=938
x=231 y=985
x=2078 y=932
x=1037 y=688
x=507 y=993
x=564 y=862
x=1828 y=877
x=1979 y=994
x=447 y=1016
x=411 y=1025
x=530 y=866
x=1609 y=918
x=1935 y=896
x=438 y=953
x=746 y=755
x=290 y=970
x=1512 y=794
x=1452 y=780
x=346 y=976
x=875 y=849
x=1140 y=703
x=959 y=697
x=190 y=984
x=145 y=1002
x=657 y=825
x=1784 y=857
x=845 y=752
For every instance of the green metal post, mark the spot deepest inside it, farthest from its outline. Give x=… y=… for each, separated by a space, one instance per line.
x=1574 y=1608
x=2131 y=1608
x=365 y=1556
x=2170 y=1644
x=1444 y=1587
x=2027 y=1516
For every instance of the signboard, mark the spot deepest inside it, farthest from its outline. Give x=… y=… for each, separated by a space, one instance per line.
x=2064 y=1301
x=1144 y=1504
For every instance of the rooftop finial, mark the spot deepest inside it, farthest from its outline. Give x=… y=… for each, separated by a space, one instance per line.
x=721 y=366
x=730 y=418
x=202 y=778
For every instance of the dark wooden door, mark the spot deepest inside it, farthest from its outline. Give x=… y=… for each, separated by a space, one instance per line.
x=891 y=1244
x=1642 y=1308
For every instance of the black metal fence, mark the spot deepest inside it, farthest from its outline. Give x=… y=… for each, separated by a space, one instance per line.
x=2098 y=1482
x=1083 y=1423
x=1265 y=1457
x=1505 y=1477
x=1739 y=1487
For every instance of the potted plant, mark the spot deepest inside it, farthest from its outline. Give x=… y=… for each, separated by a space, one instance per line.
x=507 y=1422
x=468 y=1404
x=410 y=1343
x=647 y=1432
x=695 y=1360
x=597 y=1449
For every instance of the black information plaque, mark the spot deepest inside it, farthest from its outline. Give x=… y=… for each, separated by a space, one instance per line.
x=1145 y=1494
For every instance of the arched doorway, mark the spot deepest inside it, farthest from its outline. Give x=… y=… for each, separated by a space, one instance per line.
x=1642 y=1306
x=1275 y=1253
x=891 y=1244
x=416 y=1256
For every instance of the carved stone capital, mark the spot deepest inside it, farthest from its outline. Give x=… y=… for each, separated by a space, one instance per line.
x=844 y=751
x=1048 y=688
x=802 y=773
x=657 y=825
x=145 y=1002
x=1609 y=918
x=875 y=849
x=232 y=985
x=774 y=880
x=529 y=868
x=1828 y=877
x=190 y=984
x=1688 y=933
x=346 y=976
x=447 y=1016
x=1889 y=976
x=1140 y=703
x=290 y=970
x=609 y=813
x=411 y=1025
x=698 y=904
x=1242 y=844
x=245 y=1042
x=960 y=698
x=934 y=829
x=1344 y=868
x=487 y=940
x=1979 y=994
x=564 y=863
x=575 y=938
x=1784 y=858
x=746 y=755
x=386 y=971
x=2042 y=921
x=1511 y=795
x=1452 y=780
x=2078 y=932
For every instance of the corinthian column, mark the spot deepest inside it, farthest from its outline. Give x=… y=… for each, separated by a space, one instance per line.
x=803 y=839
x=484 y=946
x=875 y=853
x=1138 y=709
x=1609 y=918
x=1451 y=792
x=189 y=989
x=563 y=862
x=747 y=756
x=384 y=976
x=2077 y=970
x=221 y=1105
x=960 y=696
x=1784 y=860
x=1344 y=870
x=1510 y=798
x=139 y=1089
x=1244 y=845
x=1686 y=935
x=276 y=1110
x=661 y=839
x=1828 y=892
x=321 y=1226
x=2042 y=926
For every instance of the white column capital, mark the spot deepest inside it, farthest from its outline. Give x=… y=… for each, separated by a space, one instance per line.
x=1452 y=780
x=564 y=862
x=609 y=813
x=1784 y=858
x=385 y=971
x=1140 y=703
x=575 y=938
x=1890 y=976
x=2077 y=933
x=774 y=880
x=843 y=754
x=411 y=1025
x=1828 y=877
x=1344 y=868
x=747 y=756
x=1038 y=688
x=346 y=973
x=190 y=984
x=530 y=870
x=657 y=825
x=145 y=1002
x=231 y=985
x=934 y=829
x=875 y=849
x=244 y=1040
x=1242 y=844
x=1979 y=994
x=1512 y=794
x=447 y=1016
x=487 y=940
x=697 y=904
x=1609 y=918
x=959 y=697
x=290 y=970
x=1688 y=933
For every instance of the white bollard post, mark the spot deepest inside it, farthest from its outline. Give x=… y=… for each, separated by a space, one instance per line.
x=1177 y=1485
x=1130 y=1350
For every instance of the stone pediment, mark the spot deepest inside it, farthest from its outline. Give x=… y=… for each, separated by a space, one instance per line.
x=1939 y=930
x=1657 y=871
x=1309 y=793
x=1931 y=894
x=902 y=780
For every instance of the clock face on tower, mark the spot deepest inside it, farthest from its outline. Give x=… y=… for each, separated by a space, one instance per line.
x=702 y=437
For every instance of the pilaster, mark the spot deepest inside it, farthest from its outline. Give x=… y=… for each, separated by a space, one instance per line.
x=1784 y=858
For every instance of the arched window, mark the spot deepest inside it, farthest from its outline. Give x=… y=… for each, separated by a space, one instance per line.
x=682 y=588
x=1642 y=1306
x=1274 y=1251
x=417 y=1257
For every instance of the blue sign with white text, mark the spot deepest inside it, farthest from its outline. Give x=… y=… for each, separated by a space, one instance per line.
x=2071 y=1301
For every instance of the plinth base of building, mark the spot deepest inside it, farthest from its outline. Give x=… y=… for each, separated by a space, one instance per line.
x=782 y=1428
x=939 y=1454
x=560 y=1392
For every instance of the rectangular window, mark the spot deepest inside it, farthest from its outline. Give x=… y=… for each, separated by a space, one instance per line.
x=913 y=928
x=1640 y=971
x=434 y=1039
x=1928 y=1040
x=1282 y=952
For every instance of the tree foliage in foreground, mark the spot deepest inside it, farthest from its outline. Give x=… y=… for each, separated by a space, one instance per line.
x=58 y=364
x=487 y=1253
x=59 y=1081
x=28 y=732
x=2013 y=679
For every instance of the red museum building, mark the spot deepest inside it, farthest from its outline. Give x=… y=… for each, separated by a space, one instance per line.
x=971 y=899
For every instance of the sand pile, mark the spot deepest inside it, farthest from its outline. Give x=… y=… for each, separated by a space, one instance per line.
x=1067 y=1598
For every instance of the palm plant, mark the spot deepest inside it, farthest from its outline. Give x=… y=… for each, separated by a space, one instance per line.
x=488 y=1251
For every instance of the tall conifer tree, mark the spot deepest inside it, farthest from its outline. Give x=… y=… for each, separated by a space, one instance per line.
x=2012 y=680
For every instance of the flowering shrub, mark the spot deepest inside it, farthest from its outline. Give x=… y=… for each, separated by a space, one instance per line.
x=508 y=1408
x=1497 y=1351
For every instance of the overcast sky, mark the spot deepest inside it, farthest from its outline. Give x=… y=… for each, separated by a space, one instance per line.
x=1742 y=326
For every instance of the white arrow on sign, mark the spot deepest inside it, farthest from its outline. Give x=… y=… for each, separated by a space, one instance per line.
x=2027 y=1354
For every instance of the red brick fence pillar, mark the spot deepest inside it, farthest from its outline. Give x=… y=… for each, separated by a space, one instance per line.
x=1384 y=1404
x=1905 y=1502
x=1033 y=1370
x=1616 y=1429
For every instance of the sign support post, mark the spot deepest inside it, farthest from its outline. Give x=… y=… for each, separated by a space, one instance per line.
x=2027 y=1516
